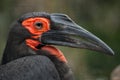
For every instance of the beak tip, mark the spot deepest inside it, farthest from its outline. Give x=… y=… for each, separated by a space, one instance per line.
x=110 y=52
x=106 y=49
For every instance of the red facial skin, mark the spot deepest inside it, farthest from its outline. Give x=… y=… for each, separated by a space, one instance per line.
x=37 y=31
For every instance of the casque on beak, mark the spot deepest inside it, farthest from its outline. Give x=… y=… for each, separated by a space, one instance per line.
x=65 y=32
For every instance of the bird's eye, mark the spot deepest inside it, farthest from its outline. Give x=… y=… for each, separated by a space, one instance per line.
x=38 y=25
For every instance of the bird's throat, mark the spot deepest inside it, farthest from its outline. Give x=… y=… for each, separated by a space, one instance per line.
x=51 y=49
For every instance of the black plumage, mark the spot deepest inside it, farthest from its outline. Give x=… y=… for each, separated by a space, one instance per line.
x=29 y=68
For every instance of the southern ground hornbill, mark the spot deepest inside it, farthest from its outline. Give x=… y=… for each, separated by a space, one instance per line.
x=29 y=54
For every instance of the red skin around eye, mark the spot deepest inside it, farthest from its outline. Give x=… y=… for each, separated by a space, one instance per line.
x=29 y=24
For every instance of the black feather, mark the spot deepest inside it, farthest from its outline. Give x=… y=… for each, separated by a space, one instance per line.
x=29 y=68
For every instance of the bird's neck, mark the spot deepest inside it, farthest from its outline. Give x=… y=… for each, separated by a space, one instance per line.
x=64 y=70
x=15 y=48
x=60 y=62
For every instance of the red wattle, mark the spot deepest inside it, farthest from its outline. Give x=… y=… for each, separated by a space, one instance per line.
x=56 y=52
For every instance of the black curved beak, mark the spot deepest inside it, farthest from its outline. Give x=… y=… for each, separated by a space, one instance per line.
x=66 y=32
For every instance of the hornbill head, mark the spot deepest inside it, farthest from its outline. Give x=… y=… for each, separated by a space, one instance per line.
x=45 y=29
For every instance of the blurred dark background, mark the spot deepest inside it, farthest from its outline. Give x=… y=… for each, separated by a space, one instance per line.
x=101 y=17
